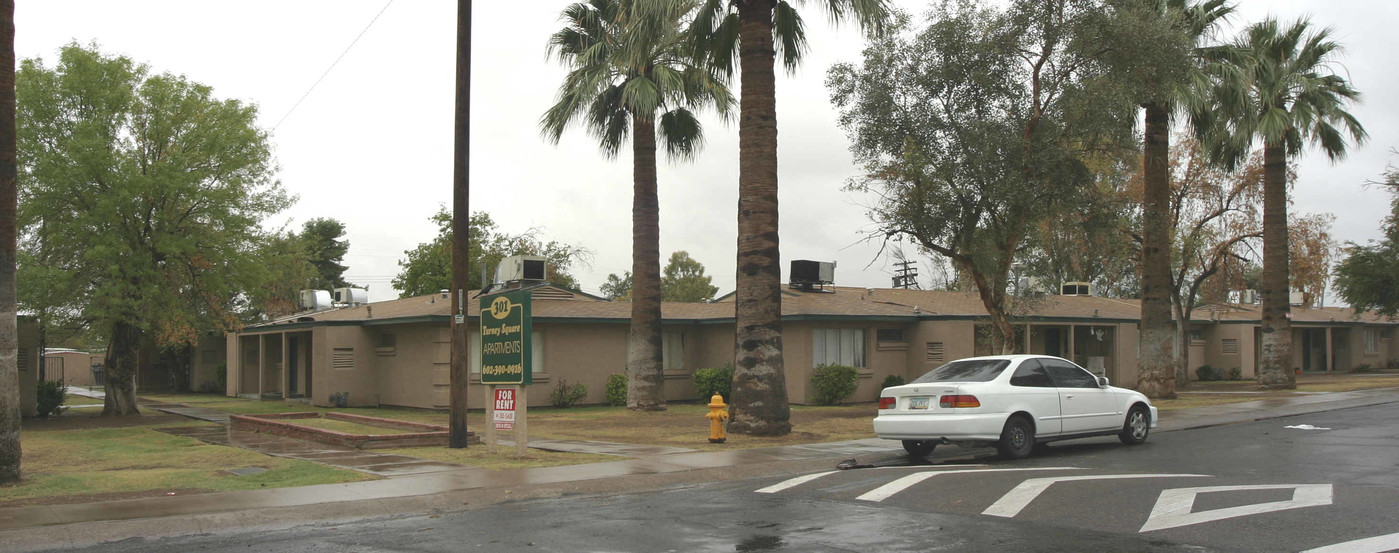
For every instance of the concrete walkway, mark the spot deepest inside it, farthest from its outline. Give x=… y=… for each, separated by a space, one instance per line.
x=49 y=526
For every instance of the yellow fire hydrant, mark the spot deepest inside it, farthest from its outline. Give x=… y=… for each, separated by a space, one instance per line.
x=718 y=413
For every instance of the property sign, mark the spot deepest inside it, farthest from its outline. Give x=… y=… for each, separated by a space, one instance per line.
x=504 y=413
x=505 y=338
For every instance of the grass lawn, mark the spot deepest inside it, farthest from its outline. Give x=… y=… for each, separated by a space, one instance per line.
x=76 y=458
x=81 y=400
x=1205 y=394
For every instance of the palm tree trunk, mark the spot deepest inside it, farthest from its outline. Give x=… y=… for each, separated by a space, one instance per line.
x=645 y=379
x=1156 y=348
x=121 y=363
x=9 y=336
x=760 y=384
x=1275 y=361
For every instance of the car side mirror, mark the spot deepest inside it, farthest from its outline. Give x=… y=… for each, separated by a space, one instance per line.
x=1102 y=382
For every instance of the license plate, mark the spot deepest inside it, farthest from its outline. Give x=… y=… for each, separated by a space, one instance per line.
x=918 y=403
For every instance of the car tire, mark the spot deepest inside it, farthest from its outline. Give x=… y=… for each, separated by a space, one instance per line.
x=1136 y=427
x=1017 y=438
x=919 y=448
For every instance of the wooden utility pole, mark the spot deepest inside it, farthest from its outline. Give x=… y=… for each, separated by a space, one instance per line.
x=9 y=232
x=461 y=220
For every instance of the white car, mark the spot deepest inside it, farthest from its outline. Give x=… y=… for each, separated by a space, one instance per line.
x=1012 y=402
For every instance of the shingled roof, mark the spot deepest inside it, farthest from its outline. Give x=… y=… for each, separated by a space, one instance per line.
x=550 y=302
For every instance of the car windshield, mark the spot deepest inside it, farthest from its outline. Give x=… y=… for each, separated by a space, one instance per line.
x=980 y=370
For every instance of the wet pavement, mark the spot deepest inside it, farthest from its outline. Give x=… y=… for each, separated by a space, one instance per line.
x=427 y=488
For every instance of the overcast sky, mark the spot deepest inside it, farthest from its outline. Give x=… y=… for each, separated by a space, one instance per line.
x=371 y=145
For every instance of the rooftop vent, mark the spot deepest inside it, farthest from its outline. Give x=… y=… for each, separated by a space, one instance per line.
x=811 y=275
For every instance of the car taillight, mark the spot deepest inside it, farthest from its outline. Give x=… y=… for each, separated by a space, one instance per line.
x=958 y=401
x=886 y=403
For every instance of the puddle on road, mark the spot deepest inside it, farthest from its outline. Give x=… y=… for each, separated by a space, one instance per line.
x=760 y=543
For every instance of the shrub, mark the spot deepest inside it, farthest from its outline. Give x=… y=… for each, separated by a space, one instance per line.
x=831 y=384
x=891 y=381
x=51 y=396
x=714 y=381
x=1363 y=368
x=617 y=390
x=1206 y=373
x=564 y=395
x=1236 y=374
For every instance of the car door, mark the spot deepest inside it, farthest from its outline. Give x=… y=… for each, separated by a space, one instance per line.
x=1032 y=389
x=1086 y=407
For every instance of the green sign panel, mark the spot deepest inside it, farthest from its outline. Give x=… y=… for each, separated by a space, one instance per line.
x=505 y=338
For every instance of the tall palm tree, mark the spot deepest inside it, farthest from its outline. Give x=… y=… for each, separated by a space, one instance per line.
x=1157 y=345
x=1284 y=94
x=629 y=62
x=754 y=32
x=9 y=188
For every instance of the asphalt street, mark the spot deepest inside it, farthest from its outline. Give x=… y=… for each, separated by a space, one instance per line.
x=1331 y=483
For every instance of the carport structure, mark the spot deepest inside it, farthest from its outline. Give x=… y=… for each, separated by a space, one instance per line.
x=270 y=365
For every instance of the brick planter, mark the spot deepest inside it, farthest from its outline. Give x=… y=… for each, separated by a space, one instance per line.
x=283 y=424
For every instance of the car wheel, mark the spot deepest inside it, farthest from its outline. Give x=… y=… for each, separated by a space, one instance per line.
x=1136 y=427
x=919 y=448
x=1017 y=438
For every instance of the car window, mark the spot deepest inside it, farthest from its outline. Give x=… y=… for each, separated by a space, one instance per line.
x=1069 y=375
x=1031 y=374
x=982 y=370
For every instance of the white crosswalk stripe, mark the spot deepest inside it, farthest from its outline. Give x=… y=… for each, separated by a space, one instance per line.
x=1173 y=508
x=1012 y=503
x=883 y=492
x=793 y=482
x=1377 y=544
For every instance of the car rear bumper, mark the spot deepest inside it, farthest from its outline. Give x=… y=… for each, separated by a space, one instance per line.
x=954 y=427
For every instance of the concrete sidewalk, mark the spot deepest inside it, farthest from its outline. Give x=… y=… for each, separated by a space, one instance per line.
x=57 y=526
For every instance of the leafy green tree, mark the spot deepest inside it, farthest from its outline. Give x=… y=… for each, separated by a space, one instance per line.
x=156 y=188
x=290 y=269
x=754 y=33
x=617 y=288
x=1160 y=49
x=9 y=233
x=324 y=240
x=1368 y=278
x=1284 y=94
x=427 y=269
x=631 y=73
x=975 y=130
x=685 y=280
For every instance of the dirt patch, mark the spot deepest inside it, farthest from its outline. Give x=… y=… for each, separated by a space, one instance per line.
x=75 y=421
x=96 y=497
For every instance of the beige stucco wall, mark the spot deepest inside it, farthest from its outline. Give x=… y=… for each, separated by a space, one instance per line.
x=408 y=374
x=210 y=354
x=77 y=366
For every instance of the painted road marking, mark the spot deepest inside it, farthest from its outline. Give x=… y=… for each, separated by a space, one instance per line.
x=793 y=482
x=1173 y=508
x=1368 y=545
x=883 y=492
x=1017 y=499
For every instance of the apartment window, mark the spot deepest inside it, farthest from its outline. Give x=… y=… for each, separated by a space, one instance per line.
x=1229 y=345
x=673 y=351
x=388 y=344
x=1372 y=341
x=842 y=346
x=1197 y=336
x=889 y=335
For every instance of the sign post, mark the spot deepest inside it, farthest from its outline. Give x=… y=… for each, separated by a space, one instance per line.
x=506 y=364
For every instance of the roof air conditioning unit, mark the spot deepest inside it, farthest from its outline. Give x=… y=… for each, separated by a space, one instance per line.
x=519 y=267
x=351 y=296
x=807 y=274
x=1248 y=297
x=314 y=300
x=1076 y=289
x=1296 y=298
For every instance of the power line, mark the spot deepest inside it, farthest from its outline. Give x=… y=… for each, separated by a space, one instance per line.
x=332 y=65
